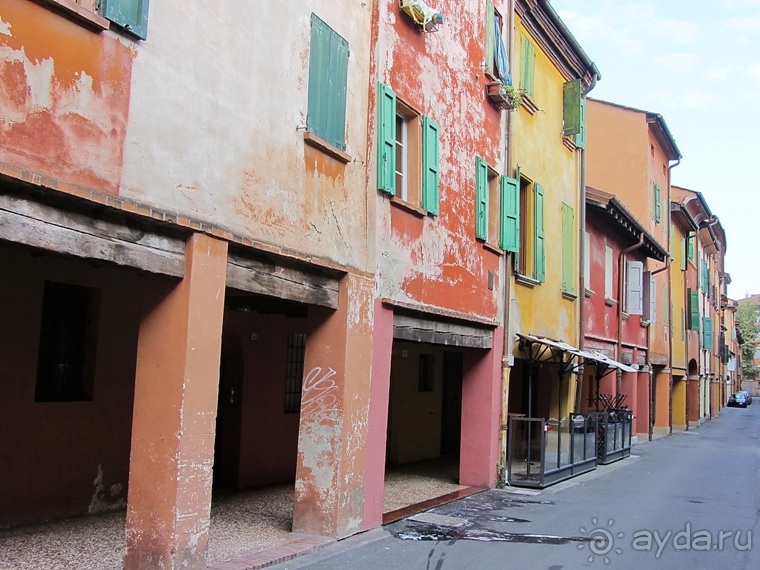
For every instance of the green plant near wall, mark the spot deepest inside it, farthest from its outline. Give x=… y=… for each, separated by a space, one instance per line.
x=747 y=315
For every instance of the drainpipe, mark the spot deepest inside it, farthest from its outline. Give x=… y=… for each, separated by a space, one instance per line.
x=582 y=262
x=508 y=265
x=670 y=314
x=670 y=359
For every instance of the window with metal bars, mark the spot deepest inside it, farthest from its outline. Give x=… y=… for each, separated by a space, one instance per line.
x=294 y=372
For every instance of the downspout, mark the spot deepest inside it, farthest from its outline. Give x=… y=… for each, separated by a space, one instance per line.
x=670 y=360
x=507 y=345
x=670 y=313
x=582 y=261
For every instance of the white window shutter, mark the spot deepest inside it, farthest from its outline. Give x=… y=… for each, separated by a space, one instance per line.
x=650 y=297
x=634 y=288
x=608 y=292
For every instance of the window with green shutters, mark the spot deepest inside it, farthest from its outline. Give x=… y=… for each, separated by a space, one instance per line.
x=539 y=260
x=682 y=257
x=693 y=322
x=510 y=217
x=708 y=334
x=527 y=66
x=657 y=203
x=430 y=164
x=328 y=76
x=571 y=107
x=129 y=15
x=568 y=251
x=481 y=199
x=408 y=163
x=690 y=247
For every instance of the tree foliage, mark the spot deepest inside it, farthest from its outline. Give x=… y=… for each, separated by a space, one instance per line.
x=747 y=315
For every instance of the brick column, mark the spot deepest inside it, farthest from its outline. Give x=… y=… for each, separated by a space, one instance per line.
x=332 y=438
x=174 y=415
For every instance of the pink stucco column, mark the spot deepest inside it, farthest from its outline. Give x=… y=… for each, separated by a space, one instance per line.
x=481 y=401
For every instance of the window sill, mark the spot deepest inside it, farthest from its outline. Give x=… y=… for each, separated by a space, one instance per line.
x=569 y=296
x=313 y=140
x=610 y=302
x=77 y=12
x=402 y=204
x=521 y=279
x=529 y=105
x=492 y=248
x=589 y=293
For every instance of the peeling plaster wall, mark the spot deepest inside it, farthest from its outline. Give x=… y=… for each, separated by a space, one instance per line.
x=436 y=260
x=64 y=97
x=217 y=100
x=543 y=158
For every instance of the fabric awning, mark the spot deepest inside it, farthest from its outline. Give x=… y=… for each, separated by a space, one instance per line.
x=593 y=358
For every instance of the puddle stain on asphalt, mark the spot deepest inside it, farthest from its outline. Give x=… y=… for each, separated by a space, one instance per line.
x=438 y=534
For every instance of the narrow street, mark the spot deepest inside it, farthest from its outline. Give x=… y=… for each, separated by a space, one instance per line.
x=686 y=501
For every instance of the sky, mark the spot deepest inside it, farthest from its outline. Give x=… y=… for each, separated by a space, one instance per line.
x=697 y=63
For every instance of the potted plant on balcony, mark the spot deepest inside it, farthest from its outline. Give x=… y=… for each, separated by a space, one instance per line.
x=504 y=96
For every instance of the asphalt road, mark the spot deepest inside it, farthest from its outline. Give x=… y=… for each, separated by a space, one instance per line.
x=691 y=500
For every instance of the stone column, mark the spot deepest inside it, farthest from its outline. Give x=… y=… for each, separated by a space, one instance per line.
x=174 y=415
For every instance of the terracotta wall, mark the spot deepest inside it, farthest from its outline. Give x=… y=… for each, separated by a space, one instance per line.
x=436 y=260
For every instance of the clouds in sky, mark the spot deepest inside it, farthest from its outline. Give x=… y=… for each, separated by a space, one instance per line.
x=698 y=64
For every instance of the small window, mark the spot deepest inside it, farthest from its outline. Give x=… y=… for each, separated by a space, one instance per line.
x=408 y=152
x=328 y=77
x=497 y=62
x=522 y=262
x=129 y=15
x=296 y=355
x=494 y=207
x=426 y=378
x=66 y=357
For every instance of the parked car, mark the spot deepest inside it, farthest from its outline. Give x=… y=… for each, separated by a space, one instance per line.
x=739 y=400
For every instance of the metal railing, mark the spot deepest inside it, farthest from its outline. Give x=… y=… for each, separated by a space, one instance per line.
x=544 y=452
x=613 y=435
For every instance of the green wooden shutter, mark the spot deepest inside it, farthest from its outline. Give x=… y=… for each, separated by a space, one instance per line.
x=386 y=139
x=568 y=257
x=693 y=309
x=481 y=199
x=571 y=107
x=131 y=15
x=657 y=206
x=430 y=164
x=338 y=83
x=683 y=254
x=510 y=214
x=328 y=74
x=527 y=66
x=490 y=40
x=708 y=333
x=519 y=229
x=580 y=138
x=690 y=247
x=540 y=250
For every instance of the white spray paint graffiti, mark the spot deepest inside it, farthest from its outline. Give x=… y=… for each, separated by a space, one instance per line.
x=319 y=401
